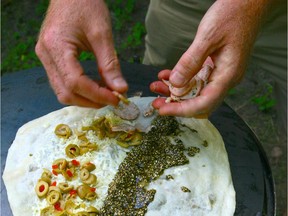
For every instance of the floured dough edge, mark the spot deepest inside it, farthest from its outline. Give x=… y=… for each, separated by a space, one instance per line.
x=16 y=166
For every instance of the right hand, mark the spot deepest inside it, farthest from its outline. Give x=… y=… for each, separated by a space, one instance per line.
x=226 y=33
x=70 y=27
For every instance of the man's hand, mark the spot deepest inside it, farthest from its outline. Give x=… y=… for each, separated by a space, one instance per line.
x=226 y=34
x=70 y=27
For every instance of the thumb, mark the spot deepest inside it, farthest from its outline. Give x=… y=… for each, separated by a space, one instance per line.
x=189 y=64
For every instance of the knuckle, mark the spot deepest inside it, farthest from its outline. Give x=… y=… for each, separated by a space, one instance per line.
x=47 y=38
x=64 y=98
x=111 y=63
x=190 y=63
x=38 y=50
x=194 y=60
x=99 y=34
x=71 y=83
x=186 y=64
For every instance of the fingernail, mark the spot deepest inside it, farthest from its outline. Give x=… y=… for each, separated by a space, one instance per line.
x=120 y=83
x=177 y=78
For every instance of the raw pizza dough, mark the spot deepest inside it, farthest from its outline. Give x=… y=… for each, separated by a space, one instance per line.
x=207 y=175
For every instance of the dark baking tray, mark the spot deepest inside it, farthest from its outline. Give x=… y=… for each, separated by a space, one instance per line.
x=26 y=95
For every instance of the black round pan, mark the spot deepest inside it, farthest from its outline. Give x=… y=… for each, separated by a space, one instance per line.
x=26 y=95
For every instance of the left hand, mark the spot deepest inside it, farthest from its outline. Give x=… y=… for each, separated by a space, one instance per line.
x=226 y=33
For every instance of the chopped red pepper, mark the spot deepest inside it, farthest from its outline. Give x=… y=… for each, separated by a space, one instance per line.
x=54 y=183
x=54 y=172
x=72 y=192
x=57 y=206
x=75 y=162
x=69 y=173
x=41 y=188
x=92 y=189
x=54 y=166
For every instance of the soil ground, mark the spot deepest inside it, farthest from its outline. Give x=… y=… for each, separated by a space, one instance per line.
x=13 y=20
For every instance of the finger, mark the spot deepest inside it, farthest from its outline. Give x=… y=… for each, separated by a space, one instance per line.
x=175 y=107
x=164 y=74
x=57 y=84
x=187 y=108
x=190 y=62
x=108 y=63
x=78 y=83
x=160 y=88
x=208 y=100
x=158 y=102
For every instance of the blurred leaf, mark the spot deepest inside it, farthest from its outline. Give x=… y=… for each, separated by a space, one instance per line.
x=86 y=56
x=232 y=91
x=265 y=101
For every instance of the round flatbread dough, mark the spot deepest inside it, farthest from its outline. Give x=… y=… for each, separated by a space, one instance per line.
x=201 y=187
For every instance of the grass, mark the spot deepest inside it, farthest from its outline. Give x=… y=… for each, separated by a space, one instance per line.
x=121 y=11
x=22 y=37
x=265 y=100
x=19 y=33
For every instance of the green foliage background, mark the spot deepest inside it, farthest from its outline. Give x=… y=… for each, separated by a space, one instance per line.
x=20 y=29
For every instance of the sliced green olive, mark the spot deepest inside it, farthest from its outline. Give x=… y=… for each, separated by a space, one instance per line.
x=92 y=146
x=61 y=164
x=42 y=188
x=90 y=180
x=89 y=128
x=69 y=174
x=62 y=213
x=83 y=150
x=72 y=150
x=136 y=139
x=84 y=174
x=99 y=121
x=111 y=134
x=101 y=133
x=83 y=145
x=89 y=166
x=129 y=139
x=65 y=187
x=63 y=131
x=82 y=190
x=91 y=195
x=53 y=197
x=87 y=147
x=46 y=176
x=125 y=136
x=123 y=144
x=82 y=213
x=83 y=138
x=54 y=188
x=70 y=206
x=92 y=209
x=47 y=211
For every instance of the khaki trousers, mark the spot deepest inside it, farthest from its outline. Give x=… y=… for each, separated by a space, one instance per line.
x=172 y=24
